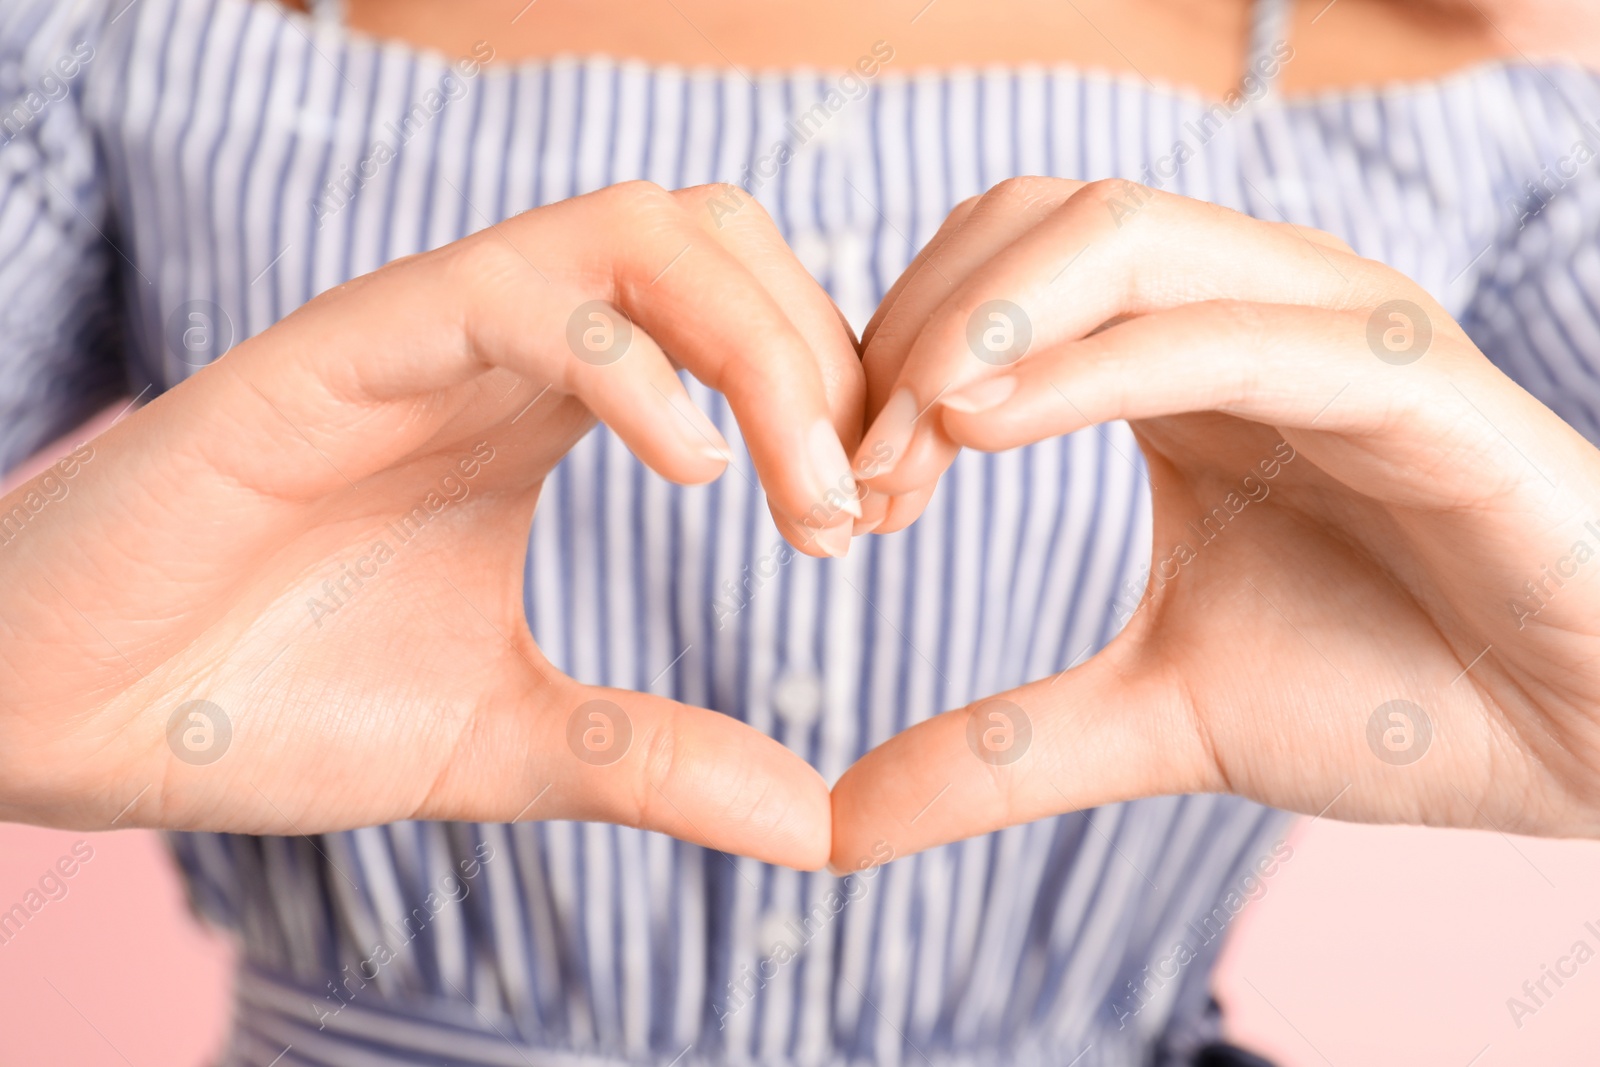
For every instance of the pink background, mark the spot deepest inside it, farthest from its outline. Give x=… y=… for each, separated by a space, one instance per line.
x=1370 y=947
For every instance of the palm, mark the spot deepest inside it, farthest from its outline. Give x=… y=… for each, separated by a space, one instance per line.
x=1288 y=640
x=399 y=642
x=367 y=638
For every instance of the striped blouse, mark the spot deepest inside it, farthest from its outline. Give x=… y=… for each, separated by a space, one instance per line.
x=163 y=158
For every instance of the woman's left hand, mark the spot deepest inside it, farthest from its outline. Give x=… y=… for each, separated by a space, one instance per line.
x=1399 y=619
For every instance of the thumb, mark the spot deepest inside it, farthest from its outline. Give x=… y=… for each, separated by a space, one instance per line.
x=589 y=753
x=1107 y=731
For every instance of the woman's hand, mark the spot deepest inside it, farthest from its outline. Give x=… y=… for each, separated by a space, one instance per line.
x=286 y=597
x=1373 y=587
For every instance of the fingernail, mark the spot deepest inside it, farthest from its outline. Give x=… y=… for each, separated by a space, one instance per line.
x=834 y=540
x=831 y=469
x=864 y=526
x=892 y=429
x=981 y=396
x=701 y=431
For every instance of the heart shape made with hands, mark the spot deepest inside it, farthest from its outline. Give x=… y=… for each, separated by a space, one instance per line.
x=1344 y=646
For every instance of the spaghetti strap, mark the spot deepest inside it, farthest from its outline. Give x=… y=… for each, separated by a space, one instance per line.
x=1269 y=39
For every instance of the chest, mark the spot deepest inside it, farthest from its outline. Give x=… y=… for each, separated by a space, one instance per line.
x=256 y=166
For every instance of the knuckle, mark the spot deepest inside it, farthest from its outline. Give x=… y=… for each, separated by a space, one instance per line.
x=480 y=273
x=1330 y=240
x=638 y=201
x=1121 y=202
x=723 y=192
x=1022 y=193
x=727 y=204
x=1247 y=322
x=1115 y=192
x=645 y=228
x=640 y=191
x=480 y=262
x=658 y=766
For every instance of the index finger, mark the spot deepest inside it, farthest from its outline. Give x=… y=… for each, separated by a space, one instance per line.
x=742 y=226
x=1088 y=262
x=708 y=310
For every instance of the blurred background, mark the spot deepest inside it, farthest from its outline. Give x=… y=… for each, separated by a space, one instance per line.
x=1370 y=947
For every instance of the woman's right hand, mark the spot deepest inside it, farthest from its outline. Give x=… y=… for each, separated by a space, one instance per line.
x=159 y=665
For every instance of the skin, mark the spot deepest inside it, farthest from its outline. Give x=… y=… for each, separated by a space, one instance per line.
x=182 y=561
x=424 y=696
x=1379 y=515
x=1197 y=44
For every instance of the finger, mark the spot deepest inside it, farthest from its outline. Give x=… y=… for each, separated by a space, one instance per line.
x=625 y=378
x=1289 y=367
x=1107 y=731
x=437 y=319
x=919 y=262
x=742 y=226
x=721 y=323
x=627 y=381
x=905 y=509
x=925 y=259
x=751 y=237
x=965 y=243
x=971 y=234
x=874 y=509
x=1091 y=261
x=554 y=749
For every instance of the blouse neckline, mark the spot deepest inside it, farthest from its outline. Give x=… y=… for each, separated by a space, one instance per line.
x=326 y=16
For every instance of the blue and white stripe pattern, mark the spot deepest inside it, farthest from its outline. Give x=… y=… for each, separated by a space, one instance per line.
x=210 y=150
